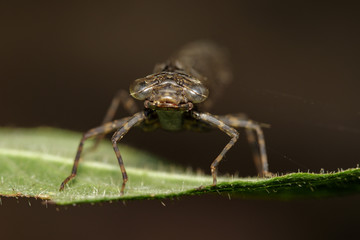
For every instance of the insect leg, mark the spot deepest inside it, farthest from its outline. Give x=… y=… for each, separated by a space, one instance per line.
x=212 y=120
x=103 y=129
x=121 y=97
x=119 y=134
x=257 y=141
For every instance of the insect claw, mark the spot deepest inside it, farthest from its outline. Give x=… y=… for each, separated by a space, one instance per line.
x=200 y=188
x=267 y=174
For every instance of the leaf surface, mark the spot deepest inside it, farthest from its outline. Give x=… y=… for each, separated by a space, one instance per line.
x=33 y=163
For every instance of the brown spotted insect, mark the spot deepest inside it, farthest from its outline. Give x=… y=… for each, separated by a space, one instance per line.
x=173 y=96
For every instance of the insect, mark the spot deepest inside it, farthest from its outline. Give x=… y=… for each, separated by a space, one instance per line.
x=192 y=79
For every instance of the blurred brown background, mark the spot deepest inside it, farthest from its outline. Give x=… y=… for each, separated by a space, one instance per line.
x=296 y=67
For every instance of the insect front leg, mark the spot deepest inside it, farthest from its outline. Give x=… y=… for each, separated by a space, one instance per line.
x=119 y=134
x=255 y=138
x=121 y=97
x=212 y=120
x=103 y=129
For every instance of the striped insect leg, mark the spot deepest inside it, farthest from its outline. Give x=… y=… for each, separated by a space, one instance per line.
x=103 y=129
x=255 y=138
x=122 y=97
x=118 y=135
x=212 y=120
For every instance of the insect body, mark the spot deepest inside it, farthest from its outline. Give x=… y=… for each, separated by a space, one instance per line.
x=173 y=96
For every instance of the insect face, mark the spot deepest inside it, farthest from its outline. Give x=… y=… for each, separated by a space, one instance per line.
x=169 y=90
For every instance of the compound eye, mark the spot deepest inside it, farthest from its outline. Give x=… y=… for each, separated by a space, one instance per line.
x=141 y=88
x=196 y=93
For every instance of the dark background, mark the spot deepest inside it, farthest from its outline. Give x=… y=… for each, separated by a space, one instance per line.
x=295 y=66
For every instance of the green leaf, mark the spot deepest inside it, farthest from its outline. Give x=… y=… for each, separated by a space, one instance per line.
x=33 y=163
